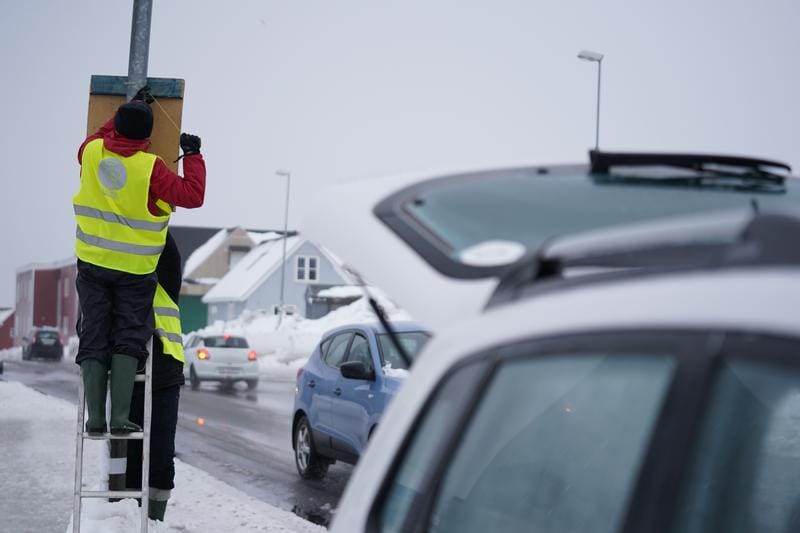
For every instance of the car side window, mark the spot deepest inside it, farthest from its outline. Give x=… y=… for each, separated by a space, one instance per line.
x=359 y=351
x=745 y=461
x=554 y=443
x=337 y=350
x=323 y=347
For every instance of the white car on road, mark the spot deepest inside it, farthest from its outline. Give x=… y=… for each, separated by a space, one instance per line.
x=222 y=358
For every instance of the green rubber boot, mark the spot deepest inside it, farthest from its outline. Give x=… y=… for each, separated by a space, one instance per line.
x=157 y=503
x=95 y=382
x=156 y=509
x=123 y=372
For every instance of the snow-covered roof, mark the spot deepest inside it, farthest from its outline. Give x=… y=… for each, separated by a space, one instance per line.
x=4 y=314
x=253 y=269
x=48 y=266
x=263 y=236
x=202 y=253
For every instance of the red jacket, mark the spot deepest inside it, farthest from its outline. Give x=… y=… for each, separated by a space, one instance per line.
x=187 y=192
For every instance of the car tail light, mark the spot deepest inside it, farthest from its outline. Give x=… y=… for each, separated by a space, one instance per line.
x=251 y=355
x=203 y=354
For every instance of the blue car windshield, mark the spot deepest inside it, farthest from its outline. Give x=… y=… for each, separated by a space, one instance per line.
x=523 y=208
x=411 y=341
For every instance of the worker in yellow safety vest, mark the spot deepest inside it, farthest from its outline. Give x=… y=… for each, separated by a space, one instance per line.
x=122 y=210
x=166 y=383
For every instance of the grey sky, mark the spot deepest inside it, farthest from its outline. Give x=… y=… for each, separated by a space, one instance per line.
x=343 y=89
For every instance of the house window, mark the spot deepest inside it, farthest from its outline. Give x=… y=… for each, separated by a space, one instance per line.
x=306 y=268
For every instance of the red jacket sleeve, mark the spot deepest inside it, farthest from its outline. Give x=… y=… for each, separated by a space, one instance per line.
x=189 y=191
x=99 y=134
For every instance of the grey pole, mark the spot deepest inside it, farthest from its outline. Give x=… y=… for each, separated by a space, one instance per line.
x=288 y=175
x=140 y=46
x=596 y=57
x=597 y=122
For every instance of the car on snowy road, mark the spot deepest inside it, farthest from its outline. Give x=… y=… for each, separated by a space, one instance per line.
x=343 y=389
x=223 y=358
x=616 y=347
x=43 y=343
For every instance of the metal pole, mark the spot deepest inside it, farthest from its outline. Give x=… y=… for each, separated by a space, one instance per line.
x=597 y=121
x=285 y=237
x=140 y=46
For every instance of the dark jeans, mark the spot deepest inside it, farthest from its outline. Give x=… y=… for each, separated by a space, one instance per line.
x=116 y=312
x=162 y=440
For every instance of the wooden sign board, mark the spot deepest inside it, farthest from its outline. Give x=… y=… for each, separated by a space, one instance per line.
x=107 y=93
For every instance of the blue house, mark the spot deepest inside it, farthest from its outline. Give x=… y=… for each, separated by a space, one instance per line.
x=254 y=283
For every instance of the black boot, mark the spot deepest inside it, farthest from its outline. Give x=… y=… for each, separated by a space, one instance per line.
x=95 y=382
x=123 y=372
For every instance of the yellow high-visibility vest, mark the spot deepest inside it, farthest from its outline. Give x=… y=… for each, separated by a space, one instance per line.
x=115 y=228
x=168 y=324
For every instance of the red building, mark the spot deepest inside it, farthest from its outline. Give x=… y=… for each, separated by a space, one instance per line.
x=6 y=328
x=46 y=296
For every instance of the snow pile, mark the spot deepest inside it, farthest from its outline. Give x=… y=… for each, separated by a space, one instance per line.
x=341 y=291
x=36 y=480
x=285 y=349
x=11 y=354
x=199 y=503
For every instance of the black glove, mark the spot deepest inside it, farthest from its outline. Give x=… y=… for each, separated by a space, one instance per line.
x=190 y=144
x=143 y=95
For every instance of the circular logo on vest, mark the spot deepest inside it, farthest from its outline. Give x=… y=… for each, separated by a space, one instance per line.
x=112 y=173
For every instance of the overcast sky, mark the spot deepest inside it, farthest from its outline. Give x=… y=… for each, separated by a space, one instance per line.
x=343 y=89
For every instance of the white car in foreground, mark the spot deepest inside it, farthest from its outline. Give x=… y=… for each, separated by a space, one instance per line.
x=642 y=378
x=224 y=359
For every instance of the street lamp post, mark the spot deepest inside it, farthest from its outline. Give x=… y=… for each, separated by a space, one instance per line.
x=595 y=57
x=288 y=175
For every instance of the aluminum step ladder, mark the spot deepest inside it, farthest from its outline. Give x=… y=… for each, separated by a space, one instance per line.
x=144 y=436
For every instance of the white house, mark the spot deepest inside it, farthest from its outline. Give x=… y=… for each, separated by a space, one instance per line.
x=254 y=283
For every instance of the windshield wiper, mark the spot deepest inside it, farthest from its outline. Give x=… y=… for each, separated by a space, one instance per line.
x=708 y=167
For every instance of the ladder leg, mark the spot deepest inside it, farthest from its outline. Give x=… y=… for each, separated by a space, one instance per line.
x=76 y=507
x=146 y=426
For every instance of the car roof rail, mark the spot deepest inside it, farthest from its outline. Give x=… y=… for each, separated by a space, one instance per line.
x=724 y=239
x=603 y=162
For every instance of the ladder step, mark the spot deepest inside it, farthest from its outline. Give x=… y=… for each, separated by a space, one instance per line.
x=137 y=435
x=111 y=494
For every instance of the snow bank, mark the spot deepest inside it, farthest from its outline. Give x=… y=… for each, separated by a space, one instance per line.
x=282 y=350
x=11 y=354
x=36 y=480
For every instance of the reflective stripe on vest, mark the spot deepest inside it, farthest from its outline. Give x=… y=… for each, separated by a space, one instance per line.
x=168 y=324
x=115 y=227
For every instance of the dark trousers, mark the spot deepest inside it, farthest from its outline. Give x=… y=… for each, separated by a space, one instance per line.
x=162 y=440
x=116 y=313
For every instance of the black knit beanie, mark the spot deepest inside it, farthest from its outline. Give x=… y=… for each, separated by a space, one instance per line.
x=134 y=120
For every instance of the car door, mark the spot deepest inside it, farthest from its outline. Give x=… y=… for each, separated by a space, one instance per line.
x=355 y=401
x=554 y=435
x=324 y=383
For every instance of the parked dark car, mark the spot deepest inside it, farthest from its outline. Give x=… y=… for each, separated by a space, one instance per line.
x=43 y=343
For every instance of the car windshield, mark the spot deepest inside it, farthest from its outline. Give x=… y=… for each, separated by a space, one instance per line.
x=225 y=342
x=522 y=208
x=411 y=341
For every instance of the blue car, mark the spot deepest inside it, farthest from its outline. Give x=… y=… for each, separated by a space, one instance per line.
x=343 y=390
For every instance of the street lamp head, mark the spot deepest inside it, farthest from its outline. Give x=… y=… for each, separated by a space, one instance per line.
x=284 y=173
x=588 y=55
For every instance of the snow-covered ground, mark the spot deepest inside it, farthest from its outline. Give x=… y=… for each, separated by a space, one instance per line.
x=36 y=481
x=285 y=349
